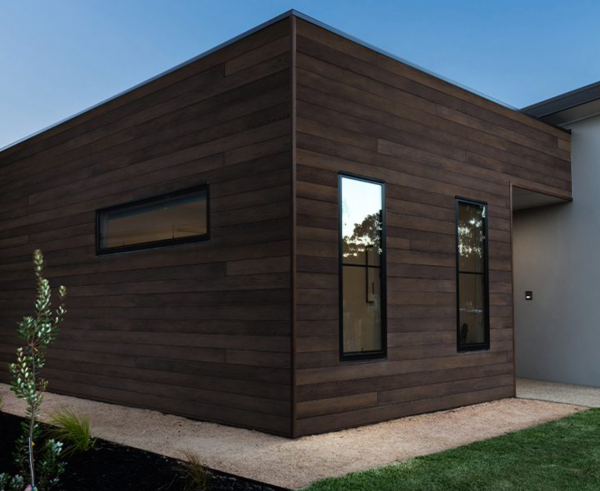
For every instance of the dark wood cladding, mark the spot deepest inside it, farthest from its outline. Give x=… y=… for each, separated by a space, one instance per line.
x=243 y=329
x=202 y=330
x=361 y=112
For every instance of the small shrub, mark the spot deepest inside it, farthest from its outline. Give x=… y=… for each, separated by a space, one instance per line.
x=49 y=466
x=35 y=459
x=73 y=430
x=11 y=483
x=194 y=472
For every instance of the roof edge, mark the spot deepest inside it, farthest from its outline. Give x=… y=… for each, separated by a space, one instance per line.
x=249 y=32
x=381 y=51
x=204 y=54
x=564 y=107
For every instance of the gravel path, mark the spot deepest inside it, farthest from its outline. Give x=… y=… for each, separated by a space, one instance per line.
x=563 y=393
x=297 y=463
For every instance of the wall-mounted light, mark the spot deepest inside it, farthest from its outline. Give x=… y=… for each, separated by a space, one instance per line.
x=529 y=295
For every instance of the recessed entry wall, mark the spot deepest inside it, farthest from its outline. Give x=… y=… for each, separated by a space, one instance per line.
x=555 y=257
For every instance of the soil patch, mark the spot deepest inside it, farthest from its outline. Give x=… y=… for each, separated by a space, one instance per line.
x=113 y=467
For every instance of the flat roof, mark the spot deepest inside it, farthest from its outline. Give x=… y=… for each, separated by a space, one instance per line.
x=568 y=107
x=274 y=20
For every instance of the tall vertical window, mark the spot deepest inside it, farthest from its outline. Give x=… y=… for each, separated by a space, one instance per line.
x=362 y=268
x=472 y=276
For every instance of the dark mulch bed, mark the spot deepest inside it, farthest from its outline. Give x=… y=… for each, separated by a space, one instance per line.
x=112 y=467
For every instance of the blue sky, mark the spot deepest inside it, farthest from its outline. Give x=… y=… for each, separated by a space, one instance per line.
x=59 y=57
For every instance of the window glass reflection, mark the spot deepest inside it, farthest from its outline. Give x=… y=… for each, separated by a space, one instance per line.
x=471 y=236
x=167 y=218
x=362 y=252
x=361 y=222
x=472 y=309
x=473 y=324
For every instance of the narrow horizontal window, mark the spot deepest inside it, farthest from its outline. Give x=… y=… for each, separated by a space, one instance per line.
x=472 y=276
x=173 y=218
x=362 y=268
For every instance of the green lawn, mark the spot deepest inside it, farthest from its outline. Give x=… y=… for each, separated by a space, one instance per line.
x=562 y=455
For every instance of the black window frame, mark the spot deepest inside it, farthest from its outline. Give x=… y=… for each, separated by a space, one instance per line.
x=371 y=355
x=100 y=251
x=485 y=346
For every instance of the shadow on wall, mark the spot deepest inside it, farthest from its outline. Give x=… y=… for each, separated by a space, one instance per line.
x=557 y=306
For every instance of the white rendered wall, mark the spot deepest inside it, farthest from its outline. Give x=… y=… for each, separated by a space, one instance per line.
x=556 y=254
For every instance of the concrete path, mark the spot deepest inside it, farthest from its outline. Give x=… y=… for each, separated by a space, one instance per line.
x=297 y=463
x=563 y=393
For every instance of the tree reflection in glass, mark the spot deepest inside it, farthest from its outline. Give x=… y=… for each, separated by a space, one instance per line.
x=362 y=250
x=471 y=236
x=472 y=275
